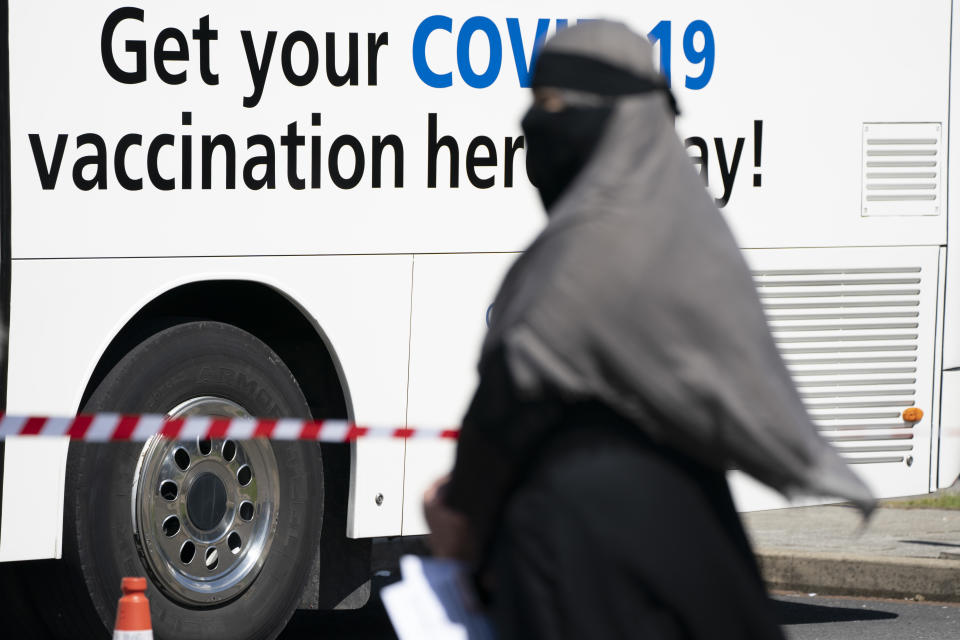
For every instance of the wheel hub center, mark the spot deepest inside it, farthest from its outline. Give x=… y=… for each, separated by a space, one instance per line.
x=204 y=515
x=207 y=502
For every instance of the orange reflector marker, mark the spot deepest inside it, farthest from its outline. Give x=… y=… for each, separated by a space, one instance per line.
x=133 y=613
x=913 y=414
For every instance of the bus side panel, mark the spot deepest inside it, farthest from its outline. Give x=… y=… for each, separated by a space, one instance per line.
x=451 y=299
x=951 y=338
x=936 y=414
x=949 y=429
x=33 y=473
x=857 y=329
x=948 y=451
x=362 y=304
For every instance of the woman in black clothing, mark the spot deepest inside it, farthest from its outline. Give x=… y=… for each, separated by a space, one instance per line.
x=628 y=366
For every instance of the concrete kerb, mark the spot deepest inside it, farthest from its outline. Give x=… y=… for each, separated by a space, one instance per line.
x=852 y=575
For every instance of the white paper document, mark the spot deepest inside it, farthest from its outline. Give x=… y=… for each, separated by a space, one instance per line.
x=434 y=601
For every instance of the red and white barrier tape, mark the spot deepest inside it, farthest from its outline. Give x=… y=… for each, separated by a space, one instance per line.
x=111 y=427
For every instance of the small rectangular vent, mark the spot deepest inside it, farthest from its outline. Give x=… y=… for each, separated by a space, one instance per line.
x=850 y=339
x=902 y=168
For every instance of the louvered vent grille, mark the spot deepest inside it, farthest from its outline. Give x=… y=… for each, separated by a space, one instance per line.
x=902 y=167
x=850 y=339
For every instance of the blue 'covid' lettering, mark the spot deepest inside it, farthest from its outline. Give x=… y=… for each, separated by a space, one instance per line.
x=428 y=75
x=699 y=48
x=479 y=74
x=525 y=67
x=479 y=24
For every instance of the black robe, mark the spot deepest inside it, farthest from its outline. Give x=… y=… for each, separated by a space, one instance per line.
x=588 y=529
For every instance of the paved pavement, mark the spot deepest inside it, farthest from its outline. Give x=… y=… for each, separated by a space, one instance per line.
x=900 y=533
x=899 y=553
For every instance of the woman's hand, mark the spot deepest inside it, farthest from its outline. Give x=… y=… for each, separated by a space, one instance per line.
x=449 y=531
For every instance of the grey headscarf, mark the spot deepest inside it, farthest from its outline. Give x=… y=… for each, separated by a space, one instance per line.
x=636 y=294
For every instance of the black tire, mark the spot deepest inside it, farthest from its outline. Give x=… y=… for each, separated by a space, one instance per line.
x=99 y=548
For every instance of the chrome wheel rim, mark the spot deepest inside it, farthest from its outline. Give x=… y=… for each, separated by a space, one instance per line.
x=205 y=511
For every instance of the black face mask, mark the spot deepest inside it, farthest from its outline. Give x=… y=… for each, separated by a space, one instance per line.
x=559 y=144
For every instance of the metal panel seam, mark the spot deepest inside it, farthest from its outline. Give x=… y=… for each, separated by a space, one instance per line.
x=406 y=408
x=935 y=400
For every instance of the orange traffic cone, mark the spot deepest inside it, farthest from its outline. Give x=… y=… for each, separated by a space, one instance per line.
x=133 y=614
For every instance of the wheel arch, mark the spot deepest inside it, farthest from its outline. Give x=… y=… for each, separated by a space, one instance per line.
x=258 y=308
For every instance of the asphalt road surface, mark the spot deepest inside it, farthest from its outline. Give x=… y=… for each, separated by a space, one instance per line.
x=825 y=618
x=368 y=623
x=803 y=617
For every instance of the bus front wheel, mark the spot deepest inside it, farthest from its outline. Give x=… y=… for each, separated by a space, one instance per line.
x=225 y=530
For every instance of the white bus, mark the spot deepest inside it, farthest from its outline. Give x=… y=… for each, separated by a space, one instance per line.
x=304 y=209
